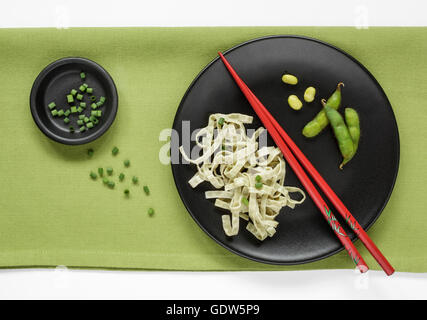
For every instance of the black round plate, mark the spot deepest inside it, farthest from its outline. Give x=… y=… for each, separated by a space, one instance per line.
x=364 y=185
x=55 y=82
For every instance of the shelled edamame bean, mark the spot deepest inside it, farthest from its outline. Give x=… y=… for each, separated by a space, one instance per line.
x=289 y=79
x=294 y=102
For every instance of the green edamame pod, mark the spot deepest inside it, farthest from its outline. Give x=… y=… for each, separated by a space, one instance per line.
x=345 y=142
x=353 y=124
x=320 y=121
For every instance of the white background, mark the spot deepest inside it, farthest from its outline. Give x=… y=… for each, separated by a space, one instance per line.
x=61 y=283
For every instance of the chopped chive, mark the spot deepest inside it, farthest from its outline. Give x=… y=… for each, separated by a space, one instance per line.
x=70 y=98
x=126 y=163
x=95 y=121
x=83 y=128
x=82 y=75
x=105 y=180
x=79 y=96
x=223 y=147
x=102 y=99
x=85 y=119
x=146 y=190
x=73 y=92
x=98 y=113
x=135 y=179
x=258 y=178
x=54 y=112
x=90 y=152
x=221 y=121
x=79 y=109
x=92 y=118
x=89 y=125
x=66 y=120
x=126 y=192
x=89 y=90
x=85 y=85
x=150 y=211
x=71 y=128
x=111 y=184
x=109 y=171
x=92 y=98
x=67 y=112
x=81 y=117
x=83 y=104
x=121 y=176
x=245 y=201
x=99 y=104
x=93 y=113
x=115 y=151
x=258 y=185
x=94 y=106
x=80 y=122
x=101 y=171
x=60 y=113
x=82 y=88
x=73 y=109
x=93 y=175
x=51 y=105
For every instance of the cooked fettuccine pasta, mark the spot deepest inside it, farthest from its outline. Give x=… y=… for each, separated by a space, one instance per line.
x=249 y=181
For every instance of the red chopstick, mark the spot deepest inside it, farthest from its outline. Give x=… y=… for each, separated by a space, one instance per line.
x=284 y=142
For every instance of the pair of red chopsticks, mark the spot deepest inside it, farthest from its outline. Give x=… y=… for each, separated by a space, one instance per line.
x=285 y=144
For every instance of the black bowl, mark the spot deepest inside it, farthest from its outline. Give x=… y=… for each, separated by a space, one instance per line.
x=55 y=82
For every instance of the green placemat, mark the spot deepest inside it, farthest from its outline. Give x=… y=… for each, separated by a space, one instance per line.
x=52 y=214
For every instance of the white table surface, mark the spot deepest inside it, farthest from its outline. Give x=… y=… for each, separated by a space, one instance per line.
x=62 y=283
